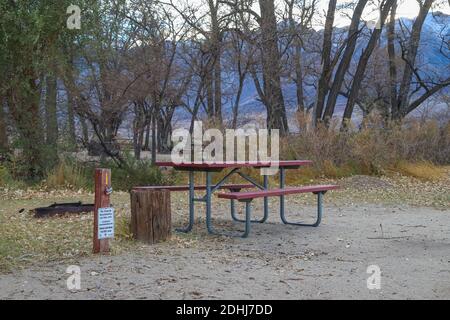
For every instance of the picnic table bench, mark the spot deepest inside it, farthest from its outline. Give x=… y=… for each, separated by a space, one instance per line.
x=235 y=193
x=248 y=197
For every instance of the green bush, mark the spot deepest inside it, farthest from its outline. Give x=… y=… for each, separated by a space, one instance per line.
x=67 y=174
x=5 y=177
x=137 y=173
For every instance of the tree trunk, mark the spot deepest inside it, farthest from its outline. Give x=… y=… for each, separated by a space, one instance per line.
x=3 y=131
x=163 y=134
x=138 y=129
x=276 y=110
x=51 y=117
x=24 y=109
x=345 y=61
x=299 y=78
x=154 y=146
x=151 y=215
x=216 y=58
x=392 y=60
x=297 y=57
x=362 y=64
x=238 y=99
x=84 y=130
x=326 y=71
x=209 y=92
x=147 y=137
x=413 y=46
x=72 y=137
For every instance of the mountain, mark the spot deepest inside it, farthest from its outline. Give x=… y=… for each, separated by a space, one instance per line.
x=430 y=58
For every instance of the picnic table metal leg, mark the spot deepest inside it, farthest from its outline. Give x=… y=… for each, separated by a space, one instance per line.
x=319 y=209
x=248 y=209
x=209 y=191
x=191 y=204
x=266 y=205
x=282 y=206
x=208 y=203
x=282 y=183
x=233 y=210
x=248 y=221
x=319 y=213
x=266 y=200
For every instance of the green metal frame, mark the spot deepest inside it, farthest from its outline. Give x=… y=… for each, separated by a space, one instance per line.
x=210 y=189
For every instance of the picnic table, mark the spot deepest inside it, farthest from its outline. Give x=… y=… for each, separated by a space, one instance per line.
x=236 y=169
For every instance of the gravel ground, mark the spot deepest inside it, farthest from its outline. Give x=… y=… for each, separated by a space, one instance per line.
x=411 y=246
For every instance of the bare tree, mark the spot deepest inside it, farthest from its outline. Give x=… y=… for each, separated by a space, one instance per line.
x=364 y=60
x=51 y=117
x=270 y=90
x=238 y=57
x=3 y=126
x=326 y=62
x=352 y=37
x=210 y=25
x=101 y=84
x=298 y=25
x=166 y=79
x=402 y=104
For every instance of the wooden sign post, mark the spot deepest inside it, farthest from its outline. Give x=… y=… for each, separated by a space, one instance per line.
x=102 y=203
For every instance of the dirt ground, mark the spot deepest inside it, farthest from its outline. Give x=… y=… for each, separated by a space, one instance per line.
x=399 y=225
x=410 y=245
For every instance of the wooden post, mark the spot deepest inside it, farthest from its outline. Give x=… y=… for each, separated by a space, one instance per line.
x=150 y=215
x=102 y=183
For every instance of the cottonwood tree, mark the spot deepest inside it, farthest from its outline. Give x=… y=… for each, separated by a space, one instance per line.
x=3 y=127
x=423 y=81
x=100 y=83
x=166 y=80
x=344 y=63
x=29 y=31
x=358 y=76
x=411 y=87
x=373 y=92
x=327 y=62
x=299 y=16
x=209 y=20
x=267 y=74
x=238 y=59
x=51 y=116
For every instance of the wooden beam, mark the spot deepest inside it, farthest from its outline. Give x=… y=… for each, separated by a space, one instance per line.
x=102 y=200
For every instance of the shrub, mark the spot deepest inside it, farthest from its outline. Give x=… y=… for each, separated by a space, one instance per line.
x=5 y=177
x=68 y=174
x=372 y=149
x=137 y=173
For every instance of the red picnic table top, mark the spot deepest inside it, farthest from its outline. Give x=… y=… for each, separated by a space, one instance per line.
x=237 y=164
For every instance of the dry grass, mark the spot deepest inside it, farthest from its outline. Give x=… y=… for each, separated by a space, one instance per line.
x=26 y=240
x=66 y=175
x=374 y=149
x=423 y=170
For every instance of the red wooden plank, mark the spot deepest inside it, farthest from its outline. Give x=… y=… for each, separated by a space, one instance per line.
x=200 y=187
x=224 y=165
x=275 y=192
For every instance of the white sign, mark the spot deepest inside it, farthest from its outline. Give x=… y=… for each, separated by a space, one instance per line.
x=105 y=223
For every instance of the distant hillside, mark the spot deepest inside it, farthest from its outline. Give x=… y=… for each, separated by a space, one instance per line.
x=437 y=26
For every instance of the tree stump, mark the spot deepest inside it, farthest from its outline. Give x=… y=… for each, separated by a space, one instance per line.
x=151 y=215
